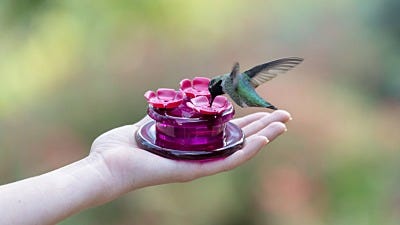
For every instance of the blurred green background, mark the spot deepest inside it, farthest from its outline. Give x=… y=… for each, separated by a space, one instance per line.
x=71 y=70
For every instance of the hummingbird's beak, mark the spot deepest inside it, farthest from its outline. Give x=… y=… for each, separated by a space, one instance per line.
x=212 y=99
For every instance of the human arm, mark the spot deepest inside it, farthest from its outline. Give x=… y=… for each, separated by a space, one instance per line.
x=116 y=166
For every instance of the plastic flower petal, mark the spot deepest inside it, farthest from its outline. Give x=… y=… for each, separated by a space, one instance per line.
x=201 y=104
x=197 y=87
x=164 y=98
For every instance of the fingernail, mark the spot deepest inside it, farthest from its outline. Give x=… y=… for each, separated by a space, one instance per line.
x=265 y=139
x=290 y=118
x=285 y=129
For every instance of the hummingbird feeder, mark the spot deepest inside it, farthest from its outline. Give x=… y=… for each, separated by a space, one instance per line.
x=186 y=125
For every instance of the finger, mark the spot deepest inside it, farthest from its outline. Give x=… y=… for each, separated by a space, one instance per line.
x=252 y=147
x=243 y=121
x=286 y=116
x=272 y=131
x=257 y=125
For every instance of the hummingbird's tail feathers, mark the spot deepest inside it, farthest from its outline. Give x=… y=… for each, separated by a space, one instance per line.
x=267 y=71
x=271 y=107
x=265 y=105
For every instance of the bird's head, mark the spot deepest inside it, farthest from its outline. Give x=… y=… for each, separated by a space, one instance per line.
x=215 y=87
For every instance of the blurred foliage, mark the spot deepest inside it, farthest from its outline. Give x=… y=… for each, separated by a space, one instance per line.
x=71 y=70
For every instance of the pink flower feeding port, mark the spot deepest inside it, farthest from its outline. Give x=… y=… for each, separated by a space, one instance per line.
x=186 y=126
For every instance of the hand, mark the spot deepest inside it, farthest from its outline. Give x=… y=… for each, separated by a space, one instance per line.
x=130 y=167
x=117 y=165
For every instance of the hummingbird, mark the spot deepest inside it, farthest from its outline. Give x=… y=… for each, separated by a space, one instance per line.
x=241 y=86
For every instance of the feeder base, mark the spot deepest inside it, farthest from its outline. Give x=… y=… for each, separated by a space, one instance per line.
x=233 y=141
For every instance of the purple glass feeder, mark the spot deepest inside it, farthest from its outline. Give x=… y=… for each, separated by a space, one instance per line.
x=189 y=128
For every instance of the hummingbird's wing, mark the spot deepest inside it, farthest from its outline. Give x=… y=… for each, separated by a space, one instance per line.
x=265 y=72
x=234 y=75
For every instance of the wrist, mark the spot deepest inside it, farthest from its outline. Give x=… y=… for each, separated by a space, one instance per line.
x=101 y=179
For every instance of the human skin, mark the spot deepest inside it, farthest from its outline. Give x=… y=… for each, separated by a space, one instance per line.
x=115 y=166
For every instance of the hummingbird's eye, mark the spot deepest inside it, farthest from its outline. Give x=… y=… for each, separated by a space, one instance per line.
x=211 y=83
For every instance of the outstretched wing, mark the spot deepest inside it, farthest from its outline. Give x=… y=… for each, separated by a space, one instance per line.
x=265 y=72
x=235 y=75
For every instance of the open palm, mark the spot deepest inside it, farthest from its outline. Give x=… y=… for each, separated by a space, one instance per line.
x=131 y=167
